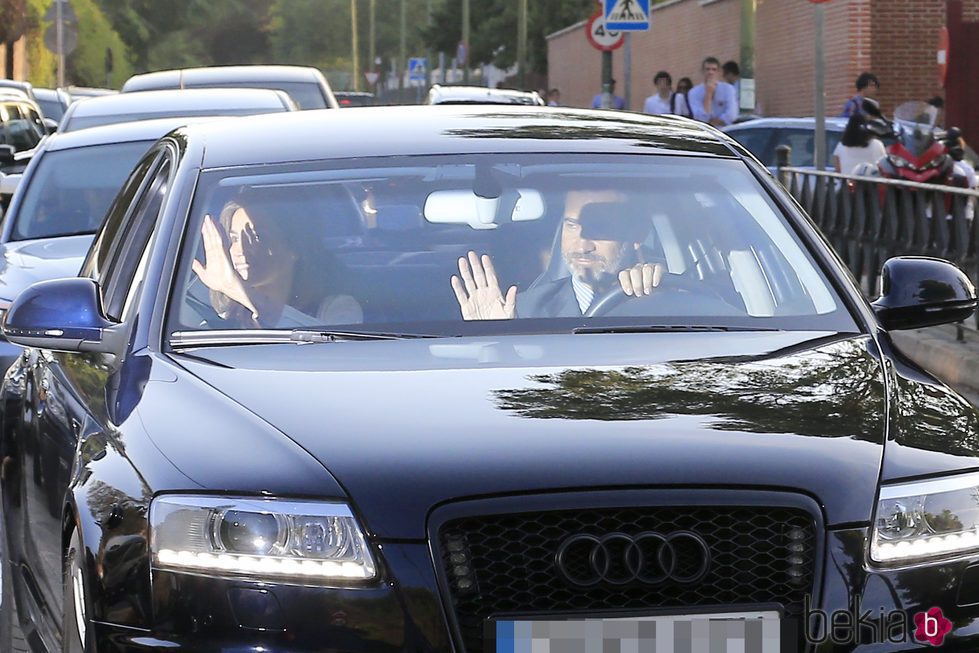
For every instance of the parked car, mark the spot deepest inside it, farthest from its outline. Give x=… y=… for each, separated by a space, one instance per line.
x=150 y=105
x=408 y=392
x=21 y=122
x=64 y=194
x=53 y=102
x=355 y=99
x=441 y=94
x=21 y=87
x=78 y=92
x=306 y=85
x=762 y=135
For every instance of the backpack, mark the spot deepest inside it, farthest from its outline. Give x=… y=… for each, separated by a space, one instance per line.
x=686 y=100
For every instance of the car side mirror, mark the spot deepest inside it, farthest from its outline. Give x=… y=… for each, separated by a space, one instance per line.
x=50 y=125
x=917 y=292
x=64 y=315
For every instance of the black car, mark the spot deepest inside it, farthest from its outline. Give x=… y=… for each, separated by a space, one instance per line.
x=467 y=378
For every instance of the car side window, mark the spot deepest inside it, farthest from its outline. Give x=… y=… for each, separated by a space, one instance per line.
x=106 y=241
x=756 y=141
x=121 y=274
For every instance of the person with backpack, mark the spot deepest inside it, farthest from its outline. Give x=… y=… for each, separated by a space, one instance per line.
x=664 y=100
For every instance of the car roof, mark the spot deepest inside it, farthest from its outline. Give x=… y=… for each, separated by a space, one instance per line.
x=198 y=99
x=89 y=91
x=419 y=130
x=835 y=123
x=179 y=78
x=443 y=94
x=123 y=132
x=24 y=87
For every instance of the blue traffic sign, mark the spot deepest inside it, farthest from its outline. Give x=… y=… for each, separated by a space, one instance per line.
x=626 y=15
x=417 y=69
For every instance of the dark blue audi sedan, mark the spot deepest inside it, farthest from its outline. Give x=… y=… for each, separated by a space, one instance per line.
x=471 y=379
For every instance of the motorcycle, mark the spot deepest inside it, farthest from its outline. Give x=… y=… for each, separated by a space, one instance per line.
x=922 y=152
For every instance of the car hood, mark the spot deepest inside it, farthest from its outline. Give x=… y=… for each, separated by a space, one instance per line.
x=24 y=262
x=407 y=425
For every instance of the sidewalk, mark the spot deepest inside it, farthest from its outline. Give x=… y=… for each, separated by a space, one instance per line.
x=937 y=350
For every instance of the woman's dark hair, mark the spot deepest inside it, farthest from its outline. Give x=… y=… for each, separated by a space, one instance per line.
x=856 y=133
x=684 y=82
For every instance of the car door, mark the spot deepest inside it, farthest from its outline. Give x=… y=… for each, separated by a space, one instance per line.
x=72 y=391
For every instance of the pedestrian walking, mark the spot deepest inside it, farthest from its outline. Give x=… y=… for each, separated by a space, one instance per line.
x=713 y=101
x=867 y=87
x=554 y=98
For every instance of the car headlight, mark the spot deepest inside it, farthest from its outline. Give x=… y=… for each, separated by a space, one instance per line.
x=256 y=537
x=927 y=519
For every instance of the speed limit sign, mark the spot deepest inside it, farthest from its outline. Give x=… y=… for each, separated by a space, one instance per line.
x=601 y=38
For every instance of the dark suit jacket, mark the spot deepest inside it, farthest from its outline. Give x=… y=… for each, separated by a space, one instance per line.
x=554 y=298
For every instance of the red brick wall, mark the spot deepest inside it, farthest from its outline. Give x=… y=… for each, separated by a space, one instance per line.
x=896 y=39
x=785 y=54
x=904 y=48
x=574 y=67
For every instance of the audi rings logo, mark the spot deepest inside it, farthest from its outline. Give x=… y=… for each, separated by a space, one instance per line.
x=619 y=559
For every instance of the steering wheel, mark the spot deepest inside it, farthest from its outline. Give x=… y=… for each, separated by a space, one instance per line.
x=672 y=283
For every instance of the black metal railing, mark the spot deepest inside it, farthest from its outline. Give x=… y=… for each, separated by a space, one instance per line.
x=869 y=220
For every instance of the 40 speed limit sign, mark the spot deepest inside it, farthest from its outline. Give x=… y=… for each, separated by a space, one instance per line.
x=601 y=38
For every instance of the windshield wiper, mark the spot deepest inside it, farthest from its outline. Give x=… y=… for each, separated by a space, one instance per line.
x=665 y=328
x=279 y=336
x=331 y=335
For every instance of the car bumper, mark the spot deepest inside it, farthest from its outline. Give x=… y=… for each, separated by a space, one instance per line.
x=405 y=613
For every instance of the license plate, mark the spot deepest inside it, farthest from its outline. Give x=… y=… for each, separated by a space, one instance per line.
x=716 y=632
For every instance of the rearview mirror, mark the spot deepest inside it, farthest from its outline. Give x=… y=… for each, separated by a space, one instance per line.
x=917 y=291
x=467 y=207
x=50 y=125
x=64 y=315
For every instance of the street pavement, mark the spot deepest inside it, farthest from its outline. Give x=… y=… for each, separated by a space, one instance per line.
x=948 y=354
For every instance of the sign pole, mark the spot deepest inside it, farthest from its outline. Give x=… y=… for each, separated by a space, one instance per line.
x=403 y=61
x=465 y=41
x=59 y=21
x=356 y=44
x=819 y=146
x=607 y=79
x=522 y=42
x=627 y=70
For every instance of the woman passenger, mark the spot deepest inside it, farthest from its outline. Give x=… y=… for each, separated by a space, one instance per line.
x=260 y=278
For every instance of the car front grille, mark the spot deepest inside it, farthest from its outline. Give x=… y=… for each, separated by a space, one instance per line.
x=507 y=564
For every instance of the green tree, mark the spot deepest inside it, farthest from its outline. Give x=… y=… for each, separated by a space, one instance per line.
x=86 y=65
x=317 y=33
x=493 y=28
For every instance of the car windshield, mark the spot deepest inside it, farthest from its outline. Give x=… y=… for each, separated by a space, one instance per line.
x=478 y=244
x=306 y=95
x=70 y=190
x=77 y=122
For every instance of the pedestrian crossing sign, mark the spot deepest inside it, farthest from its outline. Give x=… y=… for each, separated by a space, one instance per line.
x=625 y=15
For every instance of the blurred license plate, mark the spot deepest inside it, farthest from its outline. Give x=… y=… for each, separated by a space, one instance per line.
x=719 y=632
